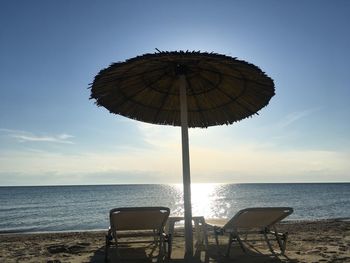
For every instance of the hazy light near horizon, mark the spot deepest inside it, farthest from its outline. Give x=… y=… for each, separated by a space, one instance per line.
x=242 y=164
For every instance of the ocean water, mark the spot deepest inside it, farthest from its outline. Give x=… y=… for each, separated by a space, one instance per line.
x=69 y=208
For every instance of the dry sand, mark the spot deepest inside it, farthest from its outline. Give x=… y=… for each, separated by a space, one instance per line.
x=309 y=241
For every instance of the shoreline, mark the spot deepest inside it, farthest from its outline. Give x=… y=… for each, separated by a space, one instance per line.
x=308 y=241
x=210 y=221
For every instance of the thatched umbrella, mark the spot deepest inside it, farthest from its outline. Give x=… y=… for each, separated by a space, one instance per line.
x=187 y=89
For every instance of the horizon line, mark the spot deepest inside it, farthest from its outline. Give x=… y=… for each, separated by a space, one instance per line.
x=55 y=185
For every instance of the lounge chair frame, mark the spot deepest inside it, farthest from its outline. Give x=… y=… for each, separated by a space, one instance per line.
x=260 y=220
x=139 y=222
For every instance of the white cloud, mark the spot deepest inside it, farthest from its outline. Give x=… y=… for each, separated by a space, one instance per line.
x=24 y=136
x=295 y=116
x=65 y=136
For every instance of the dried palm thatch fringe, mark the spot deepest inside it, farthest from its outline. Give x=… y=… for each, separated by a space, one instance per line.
x=220 y=89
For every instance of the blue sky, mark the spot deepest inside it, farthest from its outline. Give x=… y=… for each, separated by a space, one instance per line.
x=51 y=133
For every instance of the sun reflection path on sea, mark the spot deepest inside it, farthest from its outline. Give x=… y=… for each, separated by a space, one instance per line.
x=207 y=200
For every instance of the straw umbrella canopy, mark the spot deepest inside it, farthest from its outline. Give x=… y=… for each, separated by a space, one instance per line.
x=187 y=89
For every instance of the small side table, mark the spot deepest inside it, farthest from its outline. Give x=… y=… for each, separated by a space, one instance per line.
x=200 y=228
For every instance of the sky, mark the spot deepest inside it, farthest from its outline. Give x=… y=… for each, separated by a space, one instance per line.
x=51 y=133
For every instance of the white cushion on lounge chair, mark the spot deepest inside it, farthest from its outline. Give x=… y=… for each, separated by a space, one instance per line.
x=257 y=217
x=138 y=218
x=150 y=220
x=259 y=220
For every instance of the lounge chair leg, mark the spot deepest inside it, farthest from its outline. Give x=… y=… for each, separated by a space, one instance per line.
x=170 y=245
x=165 y=254
x=246 y=237
x=117 y=250
x=282 y=242
x=229 y=245
x=160 y=246
x=107 y=248
x=241 y=243
x=216 y=236
x=268 y=242
x=218 y=231
x=204 y=233
x=281 y=239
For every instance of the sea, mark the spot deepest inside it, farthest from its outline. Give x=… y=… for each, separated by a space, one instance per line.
x=73 y=208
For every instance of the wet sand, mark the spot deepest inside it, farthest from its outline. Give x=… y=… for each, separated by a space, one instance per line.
x=308 y=241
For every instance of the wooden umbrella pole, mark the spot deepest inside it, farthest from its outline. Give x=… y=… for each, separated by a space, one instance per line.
x=186 y=168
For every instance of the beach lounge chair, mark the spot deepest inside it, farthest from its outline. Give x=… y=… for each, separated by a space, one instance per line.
x=260 y=220
x=139 y=222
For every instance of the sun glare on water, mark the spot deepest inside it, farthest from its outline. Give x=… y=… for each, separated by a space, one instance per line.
x=204 y=198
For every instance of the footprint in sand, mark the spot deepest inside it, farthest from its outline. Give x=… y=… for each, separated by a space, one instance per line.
x=74 y=249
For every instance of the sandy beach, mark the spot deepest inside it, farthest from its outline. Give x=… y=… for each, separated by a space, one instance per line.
x=309 y=241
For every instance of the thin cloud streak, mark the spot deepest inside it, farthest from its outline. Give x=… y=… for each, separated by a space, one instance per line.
x=295 y=116
x=24 y=136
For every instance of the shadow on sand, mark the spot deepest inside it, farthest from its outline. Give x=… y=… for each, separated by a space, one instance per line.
x=213 y=254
